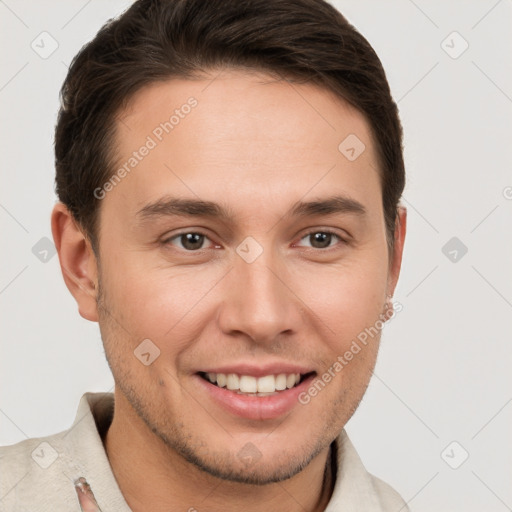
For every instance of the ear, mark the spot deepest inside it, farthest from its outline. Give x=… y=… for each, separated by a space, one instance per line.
x=396 y=257
x=77 y=261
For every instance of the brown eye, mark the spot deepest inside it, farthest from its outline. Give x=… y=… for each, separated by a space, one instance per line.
x=322 y=239
x=189 y=241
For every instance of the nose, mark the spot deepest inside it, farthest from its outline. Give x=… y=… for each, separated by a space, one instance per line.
x=259 y=301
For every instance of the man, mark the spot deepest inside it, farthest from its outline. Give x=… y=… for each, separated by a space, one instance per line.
x=228 y=176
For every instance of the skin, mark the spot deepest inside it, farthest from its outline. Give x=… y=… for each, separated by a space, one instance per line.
x=257 y=146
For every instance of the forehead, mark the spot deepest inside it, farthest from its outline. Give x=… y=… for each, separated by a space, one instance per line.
x=239 y=136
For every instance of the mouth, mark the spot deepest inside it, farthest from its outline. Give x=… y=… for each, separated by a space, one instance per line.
x=250 y=385
x=255 y=392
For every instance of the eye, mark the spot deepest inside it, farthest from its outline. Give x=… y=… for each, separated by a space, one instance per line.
x=189 y=241
x=322 y=239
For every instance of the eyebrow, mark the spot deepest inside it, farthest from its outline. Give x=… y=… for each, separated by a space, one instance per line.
x=181 y=207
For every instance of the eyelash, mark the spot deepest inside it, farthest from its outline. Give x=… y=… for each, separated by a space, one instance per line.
x=343 y=241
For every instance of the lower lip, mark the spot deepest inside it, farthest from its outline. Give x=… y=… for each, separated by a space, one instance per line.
x=254 y=407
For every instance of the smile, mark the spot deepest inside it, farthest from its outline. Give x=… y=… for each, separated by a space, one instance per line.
x=255 y=392
x=266 y=385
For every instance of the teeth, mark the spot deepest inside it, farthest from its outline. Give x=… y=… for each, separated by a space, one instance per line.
x=221 y=380
x=266 y=384
x=232 y=381
x=281 y=382
x=261 y=386
x=248 y=384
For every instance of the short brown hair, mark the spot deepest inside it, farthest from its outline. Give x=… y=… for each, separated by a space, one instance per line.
x=155 y=40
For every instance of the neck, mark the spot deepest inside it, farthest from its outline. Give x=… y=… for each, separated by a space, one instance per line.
x=153 y=477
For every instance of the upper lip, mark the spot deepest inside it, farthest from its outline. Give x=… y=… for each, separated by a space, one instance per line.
x=260 y=370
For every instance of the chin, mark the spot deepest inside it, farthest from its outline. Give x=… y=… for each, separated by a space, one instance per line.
x=247 y=465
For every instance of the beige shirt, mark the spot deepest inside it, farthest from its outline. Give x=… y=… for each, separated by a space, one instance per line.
x=39 y=475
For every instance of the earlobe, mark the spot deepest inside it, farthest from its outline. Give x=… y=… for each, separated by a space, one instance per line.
x=77 y=261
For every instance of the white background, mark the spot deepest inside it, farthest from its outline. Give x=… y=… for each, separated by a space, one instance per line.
x=443 y=373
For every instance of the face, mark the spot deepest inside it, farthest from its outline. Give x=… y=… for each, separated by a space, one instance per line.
x=249 y=253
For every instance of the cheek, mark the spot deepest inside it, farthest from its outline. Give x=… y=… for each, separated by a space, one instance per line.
x=350 y=306
x=346 y=299
x=159 y=302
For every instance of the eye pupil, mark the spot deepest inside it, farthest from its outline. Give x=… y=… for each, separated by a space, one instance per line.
x=192 y=240
x=323 y=238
